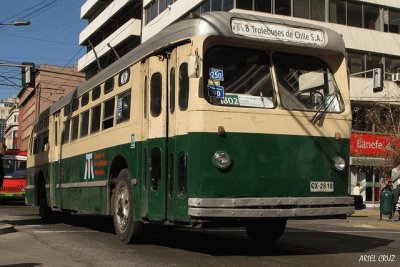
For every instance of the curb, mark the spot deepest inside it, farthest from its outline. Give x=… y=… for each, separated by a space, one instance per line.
x=6 y=228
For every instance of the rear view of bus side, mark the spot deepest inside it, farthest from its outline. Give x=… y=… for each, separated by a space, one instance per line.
x=228 y=118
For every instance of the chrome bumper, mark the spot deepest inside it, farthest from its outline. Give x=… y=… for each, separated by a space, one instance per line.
x=286 y=207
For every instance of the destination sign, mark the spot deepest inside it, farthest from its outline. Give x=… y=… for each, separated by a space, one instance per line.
x=271 y=31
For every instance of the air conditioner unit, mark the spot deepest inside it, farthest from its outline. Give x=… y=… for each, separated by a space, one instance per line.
x=396 y=77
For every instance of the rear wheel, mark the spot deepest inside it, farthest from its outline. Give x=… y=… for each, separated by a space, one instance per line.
x=266 y=230
x=126 y=228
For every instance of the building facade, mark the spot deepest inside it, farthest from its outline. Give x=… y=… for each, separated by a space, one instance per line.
x=370 y=29
x=51 y=83
x=11 y=131
x=5 y=106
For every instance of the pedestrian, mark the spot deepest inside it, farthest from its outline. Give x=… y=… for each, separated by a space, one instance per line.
x=3 y=149
x=357 y=189
x=396 y=187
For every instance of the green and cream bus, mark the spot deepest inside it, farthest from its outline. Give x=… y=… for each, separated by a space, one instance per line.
x=229 y=118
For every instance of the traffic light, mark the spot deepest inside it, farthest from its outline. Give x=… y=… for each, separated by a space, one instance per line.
x=378 y=79
x=28 y=74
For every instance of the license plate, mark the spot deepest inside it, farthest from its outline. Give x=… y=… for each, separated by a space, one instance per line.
x=321 y=186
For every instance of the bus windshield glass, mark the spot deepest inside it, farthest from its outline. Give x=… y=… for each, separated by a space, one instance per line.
x=238 y=77
x=13 y=167
x=306 y=83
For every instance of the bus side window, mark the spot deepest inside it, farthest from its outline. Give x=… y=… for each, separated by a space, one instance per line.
x=95 y=119
x=85 y=123
x=108 y=116
x=124 y=107
x=56 y=133
x=35 y=146
x=183 y=86
x=45 y=141
x=155 y=94
x=66 y=132
x=172 y=90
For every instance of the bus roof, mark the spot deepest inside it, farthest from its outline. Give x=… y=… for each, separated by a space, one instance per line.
x=208 y=24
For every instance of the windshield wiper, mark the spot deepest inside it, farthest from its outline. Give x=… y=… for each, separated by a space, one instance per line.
x=323 y=108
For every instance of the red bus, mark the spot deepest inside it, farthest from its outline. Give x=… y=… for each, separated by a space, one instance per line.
x=14 y=182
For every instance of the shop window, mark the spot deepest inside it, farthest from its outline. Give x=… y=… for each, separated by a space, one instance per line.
x=354 y=14
x=155 y=94
x=155 y=168
x=263 y=6
x=371 y=17
x=283 y=7
x=75 y=127
x=337 y=11
x=108 y=116
x=85 y=123
x=96 y=112
x=183 y=86
x=124 y=107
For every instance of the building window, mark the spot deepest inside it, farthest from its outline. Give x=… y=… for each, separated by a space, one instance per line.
x=123 y=107
x=66 y=132
x=354 y=14
x=392 y=20
x=337 y=11
x=392 y=65
x=96 y=112
x=283 y=7
x=75 y=127
x=96 y=92
x=372 y=18
x=356 y=63
x=372 y=62
x=263 y=5
x=84 y=123
x=108 y=116
x=85 y=99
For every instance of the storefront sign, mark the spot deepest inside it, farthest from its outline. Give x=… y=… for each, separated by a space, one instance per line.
x=373 y=144
x=271 y=31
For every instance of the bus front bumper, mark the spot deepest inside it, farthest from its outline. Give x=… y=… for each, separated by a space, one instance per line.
x=285 y=207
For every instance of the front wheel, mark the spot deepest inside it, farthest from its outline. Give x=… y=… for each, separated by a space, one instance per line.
x=126 y=228
x=266 y=230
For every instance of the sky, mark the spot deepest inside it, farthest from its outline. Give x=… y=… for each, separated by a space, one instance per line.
x=52 y=38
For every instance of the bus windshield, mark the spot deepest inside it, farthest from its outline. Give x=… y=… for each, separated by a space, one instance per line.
x=238 y=77
x=306 y=83
x=14 y=167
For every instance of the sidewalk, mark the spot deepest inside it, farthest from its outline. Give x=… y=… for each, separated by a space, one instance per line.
x=369 y=218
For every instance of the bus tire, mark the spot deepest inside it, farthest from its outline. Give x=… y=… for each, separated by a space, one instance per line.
x=127 y=229
x=44 y=210
x=266 y=230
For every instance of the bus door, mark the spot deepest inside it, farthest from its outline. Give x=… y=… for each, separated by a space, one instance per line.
x=156 y=144
x=55 y=161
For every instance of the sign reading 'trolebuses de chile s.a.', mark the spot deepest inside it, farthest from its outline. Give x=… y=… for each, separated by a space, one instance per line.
x=271 y=31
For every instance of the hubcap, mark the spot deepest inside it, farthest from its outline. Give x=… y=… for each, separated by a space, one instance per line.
x=122 y=207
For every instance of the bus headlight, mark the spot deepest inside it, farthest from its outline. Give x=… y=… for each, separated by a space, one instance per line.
x=338 y=163
x=222 y=159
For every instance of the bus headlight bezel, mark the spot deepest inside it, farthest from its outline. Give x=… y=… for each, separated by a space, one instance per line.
x=338 y=163
x=222 y=160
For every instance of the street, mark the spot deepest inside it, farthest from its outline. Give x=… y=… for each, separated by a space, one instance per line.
x=88 y=240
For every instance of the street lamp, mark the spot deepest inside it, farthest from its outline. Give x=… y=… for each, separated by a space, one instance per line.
x=16 y=23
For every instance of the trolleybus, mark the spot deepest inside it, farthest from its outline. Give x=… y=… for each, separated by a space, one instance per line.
x=227 y=118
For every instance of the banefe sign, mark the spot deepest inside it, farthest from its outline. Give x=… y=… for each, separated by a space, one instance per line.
x=372 y=144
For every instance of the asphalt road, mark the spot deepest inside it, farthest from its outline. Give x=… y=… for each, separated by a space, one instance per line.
x=86 y=240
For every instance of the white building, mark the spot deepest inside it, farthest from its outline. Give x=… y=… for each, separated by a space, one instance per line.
x=5 y=107
x=370 y=29
x=11 y=130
